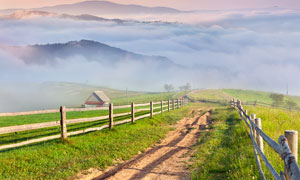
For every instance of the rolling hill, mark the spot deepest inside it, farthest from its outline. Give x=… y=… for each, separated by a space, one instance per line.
x=46 y=54
x=105 y=7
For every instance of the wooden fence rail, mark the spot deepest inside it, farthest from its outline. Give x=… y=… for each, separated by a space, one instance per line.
x=290 y=140
x=63 y=122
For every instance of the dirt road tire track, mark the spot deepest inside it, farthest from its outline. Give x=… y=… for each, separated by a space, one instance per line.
x=167 y=160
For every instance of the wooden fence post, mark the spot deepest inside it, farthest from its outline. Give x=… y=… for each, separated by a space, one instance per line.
x=173 y=104
x=177 y=103
x=259 y=139
x=161 y=106
x=111 y=116
x=151 y=109
x=132 y=112
x=169 y=105
x=252 y=118
x=63 y=119
x=292 y=138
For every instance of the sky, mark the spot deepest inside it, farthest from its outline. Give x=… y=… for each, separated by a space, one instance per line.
x=179 y=4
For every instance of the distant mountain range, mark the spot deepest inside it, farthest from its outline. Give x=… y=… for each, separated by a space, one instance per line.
x=105 y=7
x=25 y=14
x=99 y=8
x=90 y=50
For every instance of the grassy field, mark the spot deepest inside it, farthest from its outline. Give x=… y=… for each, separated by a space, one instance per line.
x=274 y=123
x=224 y=152
x=216 y=94
x=56 y=160
x=143 y=98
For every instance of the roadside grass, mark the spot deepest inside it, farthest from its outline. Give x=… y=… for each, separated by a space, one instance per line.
x=274 y=123
x=224 y=152
x=215 y=94
x=57 y=160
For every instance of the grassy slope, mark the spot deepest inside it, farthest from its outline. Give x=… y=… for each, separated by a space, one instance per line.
x=216 y=94
x=248 y=95
x=142 y=98
x=55 y=160
x=225 y=152
x=274 y=123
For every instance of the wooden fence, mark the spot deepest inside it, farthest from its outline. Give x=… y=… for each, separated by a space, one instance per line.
x=287 y=146
x=63 y=122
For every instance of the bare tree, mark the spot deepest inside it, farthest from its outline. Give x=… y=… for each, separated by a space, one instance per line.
x=169 y=87
x=185 y=87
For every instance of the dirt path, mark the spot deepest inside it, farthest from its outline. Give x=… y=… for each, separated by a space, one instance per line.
x=167 y=160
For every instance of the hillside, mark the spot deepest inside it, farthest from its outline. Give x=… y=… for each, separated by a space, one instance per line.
x=105 y=7
x=243 y=95
x=51 y=95
x=46 y=54
x=27 y=14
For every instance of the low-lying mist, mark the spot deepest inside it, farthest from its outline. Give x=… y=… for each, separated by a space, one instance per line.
x=250 y=49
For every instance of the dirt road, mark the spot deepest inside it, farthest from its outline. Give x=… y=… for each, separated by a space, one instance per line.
x=167 y=160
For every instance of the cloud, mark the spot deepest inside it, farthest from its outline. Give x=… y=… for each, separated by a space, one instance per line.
x=253 y=49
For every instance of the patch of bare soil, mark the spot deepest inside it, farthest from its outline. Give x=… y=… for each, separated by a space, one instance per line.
x=167 y=160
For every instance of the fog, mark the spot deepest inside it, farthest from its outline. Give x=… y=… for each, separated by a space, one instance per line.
x=249 y=49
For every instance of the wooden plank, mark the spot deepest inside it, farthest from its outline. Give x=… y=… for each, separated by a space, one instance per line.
x=151 y=109
x=122 y=122
x=259 y=139
x=122 y=114
x=139 y=105
x=132 y=112
x=141 y=117
x=29 y=113
x=73 y=121
x=122 y=107
x=155 y=103
x=290 y=163
x=139 y=110
x=30 y=142
x=86 y=109
x=111 y=116
x=27 y=127
x=63 y=119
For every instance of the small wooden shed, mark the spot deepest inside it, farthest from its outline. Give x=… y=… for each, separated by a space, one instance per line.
x=97 y=99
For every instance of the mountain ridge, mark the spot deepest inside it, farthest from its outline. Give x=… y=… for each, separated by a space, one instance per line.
x=44 y=54
x=106 y=7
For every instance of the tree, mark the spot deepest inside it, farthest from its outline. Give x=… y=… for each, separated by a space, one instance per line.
x=291 y=104
x=277 y=98
x=169 y=87
x=186 y=87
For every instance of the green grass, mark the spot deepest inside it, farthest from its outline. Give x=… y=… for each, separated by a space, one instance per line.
x=57 y=160
x=225 y=152
x=143 y=98
x=216 y=94
x=248 y=95
x=274 y=123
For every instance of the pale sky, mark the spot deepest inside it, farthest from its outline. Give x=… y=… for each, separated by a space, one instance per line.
x=178 y=4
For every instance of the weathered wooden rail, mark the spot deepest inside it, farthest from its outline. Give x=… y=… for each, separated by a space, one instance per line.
x=63 y=122
x=287 y=146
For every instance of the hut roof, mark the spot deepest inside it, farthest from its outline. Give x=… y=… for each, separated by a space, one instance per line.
x=101 y=96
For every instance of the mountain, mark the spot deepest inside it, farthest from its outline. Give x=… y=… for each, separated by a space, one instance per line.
x=26 y=14
x=107 y=8
x=90 y=50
